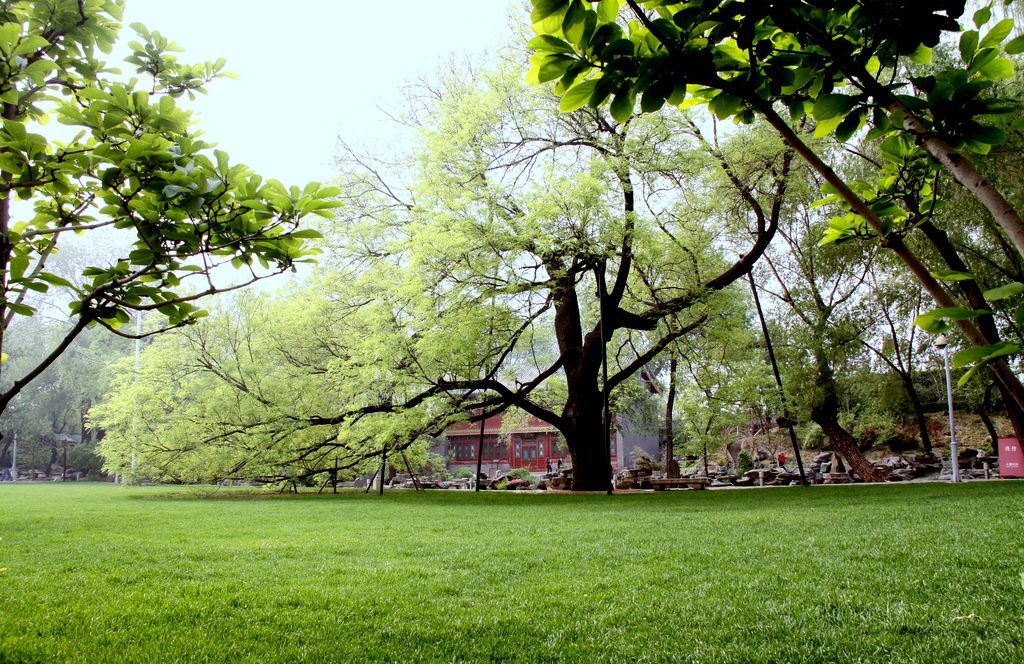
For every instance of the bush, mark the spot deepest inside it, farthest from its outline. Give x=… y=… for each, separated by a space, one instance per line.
x=744 y=461
x=521 y=474
x=463 y=474
x=643 y=460
x=83 y=458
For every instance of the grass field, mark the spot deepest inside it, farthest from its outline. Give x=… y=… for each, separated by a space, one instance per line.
x=923 y=572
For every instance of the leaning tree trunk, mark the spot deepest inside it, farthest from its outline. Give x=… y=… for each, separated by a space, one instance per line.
x=986 y=403
x=671 y=467
x=919 y=416
x=825 y=413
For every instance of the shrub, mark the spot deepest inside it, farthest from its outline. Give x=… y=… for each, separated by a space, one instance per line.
x=744 y=461
x=83 y=458
x=520 y=473
x=463 y=474
x=643 y=460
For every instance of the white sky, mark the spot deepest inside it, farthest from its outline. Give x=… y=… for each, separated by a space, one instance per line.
x=313 y=70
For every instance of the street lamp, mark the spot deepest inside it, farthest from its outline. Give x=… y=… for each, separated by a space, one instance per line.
x=942 y=343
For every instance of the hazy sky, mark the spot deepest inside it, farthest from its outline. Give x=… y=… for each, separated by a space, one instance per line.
x=313 y=70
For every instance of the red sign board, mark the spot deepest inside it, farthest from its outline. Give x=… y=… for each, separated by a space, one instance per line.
x=1011 y=458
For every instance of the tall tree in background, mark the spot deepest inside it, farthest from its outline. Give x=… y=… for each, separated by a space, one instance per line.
x=136 y=165
x=819 y=289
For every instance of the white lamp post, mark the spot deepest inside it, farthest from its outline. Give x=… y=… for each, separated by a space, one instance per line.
x=942 y=343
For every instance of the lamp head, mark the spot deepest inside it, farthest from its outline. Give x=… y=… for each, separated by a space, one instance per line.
x=941 y=341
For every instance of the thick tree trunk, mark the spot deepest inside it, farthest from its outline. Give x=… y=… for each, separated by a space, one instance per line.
x=825 y=414
x=582 y=423
x=584 y=436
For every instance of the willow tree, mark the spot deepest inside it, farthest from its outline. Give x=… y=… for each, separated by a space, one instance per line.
x=134 y=162
x=604 y=239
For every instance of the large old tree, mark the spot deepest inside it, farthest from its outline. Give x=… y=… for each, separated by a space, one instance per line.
x=601 y=239
x=497 y=265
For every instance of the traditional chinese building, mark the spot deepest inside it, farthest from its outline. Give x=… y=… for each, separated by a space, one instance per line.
x=524 y=443
x=530 y=443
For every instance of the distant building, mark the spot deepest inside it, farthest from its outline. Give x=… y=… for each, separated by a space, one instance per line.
x=530 y=443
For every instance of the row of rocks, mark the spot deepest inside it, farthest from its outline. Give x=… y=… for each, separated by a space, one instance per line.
x=827 y=468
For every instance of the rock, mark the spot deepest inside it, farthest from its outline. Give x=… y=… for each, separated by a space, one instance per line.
x=900 y=475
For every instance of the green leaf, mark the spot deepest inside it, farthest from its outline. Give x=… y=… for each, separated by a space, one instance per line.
x=1002 y=292
x=968 y=45
x=577 y=96
x=952 y=275
x=622 y=105
x=828 y=106
x=21 y=309
x=934 y=321
x=725 y=105
x=550 y=43
x=991 y=353
x=306 y=233
x=574 y=22
x=997 y=34
x=825 y=127
x=894 y=149
x=54 y=279
x=607 y=10
x=17 y=266
x=968 y=356
x=922 y=56
x=850 y=124
x=999 y=69
x=553 y=66
x=1015 y=45
x=545 y=8
x=982 y=16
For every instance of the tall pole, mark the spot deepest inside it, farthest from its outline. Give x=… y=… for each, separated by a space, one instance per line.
x=943 y=344
x=778 y=379
x=14 y=459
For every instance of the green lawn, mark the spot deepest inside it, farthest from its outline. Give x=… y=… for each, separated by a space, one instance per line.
x=923 y=572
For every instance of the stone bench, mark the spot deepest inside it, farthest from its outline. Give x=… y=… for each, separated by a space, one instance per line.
x=662 y=483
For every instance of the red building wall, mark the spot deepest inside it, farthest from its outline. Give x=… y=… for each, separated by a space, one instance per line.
x=531 y=444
